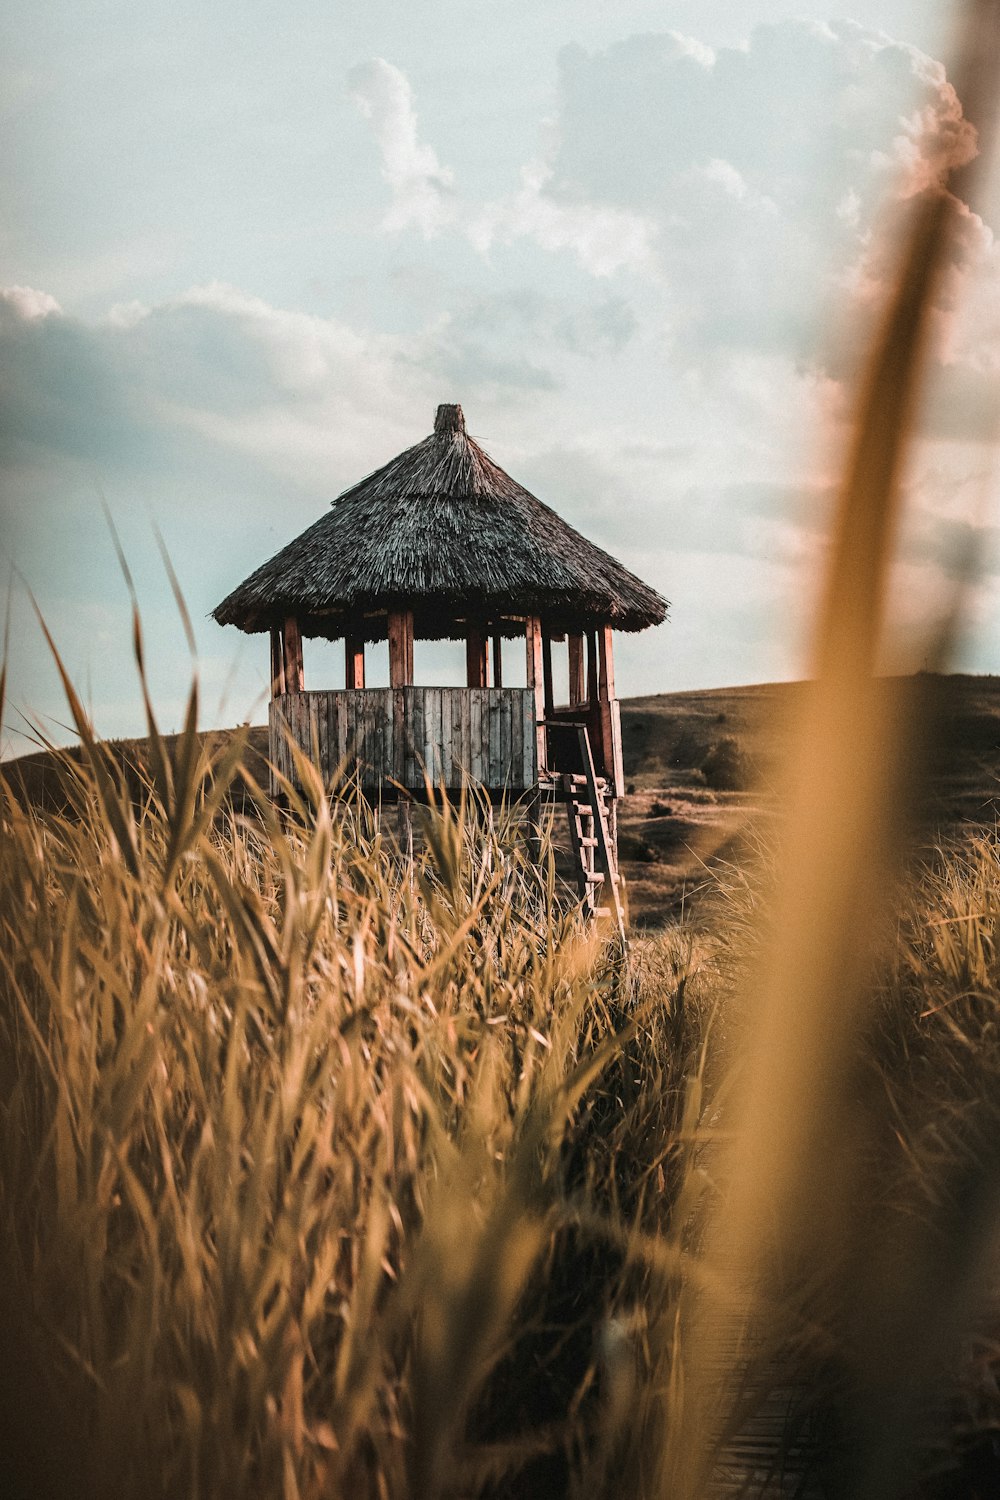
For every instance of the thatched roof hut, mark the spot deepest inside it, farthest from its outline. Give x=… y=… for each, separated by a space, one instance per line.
x=441 y=543
x=442 y=531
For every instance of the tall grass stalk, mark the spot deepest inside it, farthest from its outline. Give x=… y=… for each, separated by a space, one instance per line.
x=792 y=1217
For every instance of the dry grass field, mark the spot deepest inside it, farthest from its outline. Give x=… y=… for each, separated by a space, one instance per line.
x=326 y=1172
x=701 y=769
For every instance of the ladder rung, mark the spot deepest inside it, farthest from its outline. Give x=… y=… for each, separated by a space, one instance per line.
x=594 y=877
x=583 y=808
x=602 y=911
x=587 y=843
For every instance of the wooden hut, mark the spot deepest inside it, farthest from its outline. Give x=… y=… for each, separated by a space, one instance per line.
x=442 y=544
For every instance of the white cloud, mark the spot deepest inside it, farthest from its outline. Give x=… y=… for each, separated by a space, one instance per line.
x=422 y=189
x=849 y=208
x=744 y=186
x=758 y=173
x=689 y=46
x=27 y=303
x=604 y=238
x=213 y=376
x=725 y=176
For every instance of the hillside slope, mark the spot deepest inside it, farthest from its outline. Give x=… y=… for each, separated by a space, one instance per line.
x=700 y=765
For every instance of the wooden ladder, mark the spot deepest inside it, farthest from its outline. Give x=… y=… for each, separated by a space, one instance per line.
x=594 y=858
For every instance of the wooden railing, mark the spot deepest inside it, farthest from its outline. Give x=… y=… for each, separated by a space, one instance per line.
x=390 y=735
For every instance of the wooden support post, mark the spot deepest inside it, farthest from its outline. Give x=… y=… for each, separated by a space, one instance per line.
x=606 y=672
x=547 y=673
x=476 y=665
x=294 y=676
x=592 y=668
x=400 y=648
x=611 y=732
x=535 y=680
x=399 y=629
x=277 y=662
x=497 y=660
x=354 y=661
x=577 y=686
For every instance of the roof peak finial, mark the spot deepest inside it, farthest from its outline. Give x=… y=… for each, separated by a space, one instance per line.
x=449 y=419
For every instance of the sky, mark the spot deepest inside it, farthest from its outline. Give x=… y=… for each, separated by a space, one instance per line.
x=247 y=249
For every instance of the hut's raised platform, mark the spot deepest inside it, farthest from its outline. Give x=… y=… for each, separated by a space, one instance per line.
x=394 y=737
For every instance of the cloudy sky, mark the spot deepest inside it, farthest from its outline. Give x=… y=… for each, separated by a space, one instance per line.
x=248 y=249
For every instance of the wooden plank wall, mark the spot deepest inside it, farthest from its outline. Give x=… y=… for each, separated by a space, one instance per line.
x=487 y=734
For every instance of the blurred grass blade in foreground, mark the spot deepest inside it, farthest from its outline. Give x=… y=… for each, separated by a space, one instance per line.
x=790 y=1236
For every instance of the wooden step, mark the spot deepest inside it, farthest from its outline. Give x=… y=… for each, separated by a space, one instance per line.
x=576 y=778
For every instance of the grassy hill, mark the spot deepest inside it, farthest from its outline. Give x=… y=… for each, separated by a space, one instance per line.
x=699 y=766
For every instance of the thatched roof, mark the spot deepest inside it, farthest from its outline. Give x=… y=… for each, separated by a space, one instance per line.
x=444 y=531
